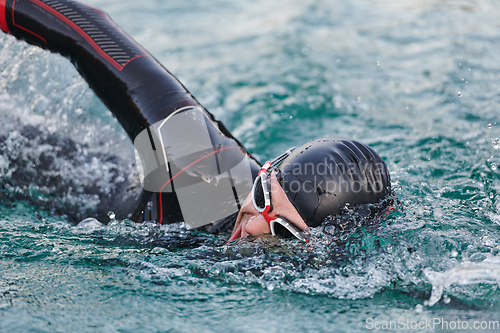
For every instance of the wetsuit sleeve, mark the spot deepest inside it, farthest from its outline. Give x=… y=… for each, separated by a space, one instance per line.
x=131 y=83
x=135 y=87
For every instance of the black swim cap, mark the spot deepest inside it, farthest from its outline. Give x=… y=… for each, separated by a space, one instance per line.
x=324 y=175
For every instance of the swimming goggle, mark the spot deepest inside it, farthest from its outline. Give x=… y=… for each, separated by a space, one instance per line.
x=261 y=198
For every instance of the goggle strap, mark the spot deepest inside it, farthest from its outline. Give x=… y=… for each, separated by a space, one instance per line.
x=277 y=161
x=265 y=167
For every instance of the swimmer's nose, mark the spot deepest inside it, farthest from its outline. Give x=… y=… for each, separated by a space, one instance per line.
x=255 y=225
x=249 y=221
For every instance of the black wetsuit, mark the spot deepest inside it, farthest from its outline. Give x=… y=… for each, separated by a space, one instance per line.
x=135 y=87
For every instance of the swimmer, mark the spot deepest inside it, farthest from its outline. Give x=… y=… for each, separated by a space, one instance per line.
x=192 y=169
x=310 y=183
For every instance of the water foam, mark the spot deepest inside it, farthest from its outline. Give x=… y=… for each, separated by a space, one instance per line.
x=60 y=149
x=464 y=274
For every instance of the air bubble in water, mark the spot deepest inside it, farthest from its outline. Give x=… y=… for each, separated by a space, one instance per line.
x=111 y=216
x=378 y=63
x=459 y=94
x=495 y=143
x=493 y=166
x=489 y=125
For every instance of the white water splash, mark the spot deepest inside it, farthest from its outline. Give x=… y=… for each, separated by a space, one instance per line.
x=466 y=273
x=60 y=148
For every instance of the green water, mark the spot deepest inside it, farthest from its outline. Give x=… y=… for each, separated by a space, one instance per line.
x=416 y=80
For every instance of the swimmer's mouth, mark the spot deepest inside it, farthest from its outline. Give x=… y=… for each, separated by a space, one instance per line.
x=236 y=234
x=237 y=227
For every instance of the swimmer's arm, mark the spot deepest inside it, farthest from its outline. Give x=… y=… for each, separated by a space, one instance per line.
x=134 y=86
x=130 y=82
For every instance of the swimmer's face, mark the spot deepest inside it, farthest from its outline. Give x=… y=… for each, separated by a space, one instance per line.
x=251 y=222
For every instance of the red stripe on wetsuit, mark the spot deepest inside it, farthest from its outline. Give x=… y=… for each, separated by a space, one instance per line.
x=3 y=21
x=4 y=26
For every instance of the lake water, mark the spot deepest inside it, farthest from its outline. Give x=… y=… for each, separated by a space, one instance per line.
x=418 y=81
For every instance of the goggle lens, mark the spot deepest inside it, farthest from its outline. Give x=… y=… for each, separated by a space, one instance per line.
x=284 y=228
x=282 y=231
x=261 y=197
x=258 y=195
